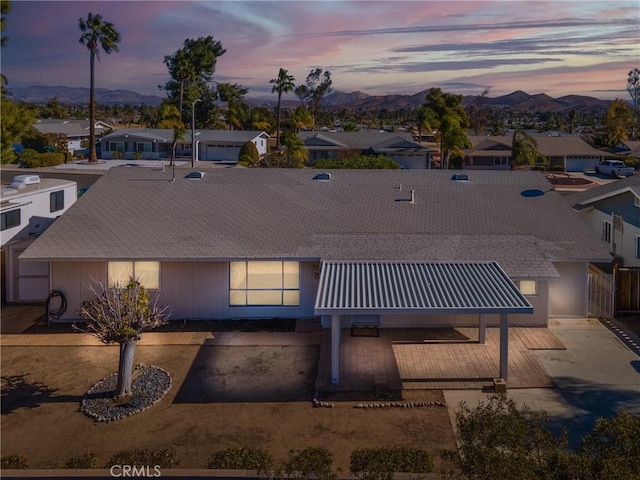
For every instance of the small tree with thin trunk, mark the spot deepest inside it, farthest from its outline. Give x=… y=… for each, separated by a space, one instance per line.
x=120 y=315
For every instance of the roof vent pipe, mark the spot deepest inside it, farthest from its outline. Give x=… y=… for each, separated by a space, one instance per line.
x=413 y=196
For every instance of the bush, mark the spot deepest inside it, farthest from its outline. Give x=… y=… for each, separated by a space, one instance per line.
x=382 y=463
x=167 y=458
x=14 y=462
x=556 y=168
x=241 y=458
x=85 y=461
x=313 y=463
x=359 y=162
x=32 y=159
x=249 y=154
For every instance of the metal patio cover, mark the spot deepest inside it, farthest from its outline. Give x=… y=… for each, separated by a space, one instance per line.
x=350 y=287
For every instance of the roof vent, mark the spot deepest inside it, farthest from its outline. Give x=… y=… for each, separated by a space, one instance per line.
x=323 y=176
x=21 y=181
x=195 y=175
x=460 y=177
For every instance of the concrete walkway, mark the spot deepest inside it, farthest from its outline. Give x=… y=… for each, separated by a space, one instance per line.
x=596 y=376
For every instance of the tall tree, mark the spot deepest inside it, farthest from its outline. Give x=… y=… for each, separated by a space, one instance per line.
x=170 y=118
x=524 y=150
x=478 y=112
x=633 y=87
x=5 y=7
x=617 y=121
x=17 y=122
x=120 y=314
x=96 y=33
x=237 y=110
x=191 y=68
x=283 y=83
x=312 y=91
x=449 y=120
x=54 y=109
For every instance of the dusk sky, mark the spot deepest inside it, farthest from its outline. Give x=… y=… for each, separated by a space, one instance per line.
x=377 y=47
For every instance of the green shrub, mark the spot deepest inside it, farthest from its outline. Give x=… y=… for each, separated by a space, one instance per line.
x=241 y=458
x=313 y=463
x=14 y=462
x=85 y=461
x=167 y=458
x=117 y=155
x=382 y=463
x=32 y=159
x=249 y=153
x=28 y=156
x=358 y=162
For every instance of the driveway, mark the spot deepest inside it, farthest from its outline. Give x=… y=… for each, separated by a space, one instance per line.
x=596 y=376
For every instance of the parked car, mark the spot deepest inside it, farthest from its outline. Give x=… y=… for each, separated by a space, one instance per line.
x=614 y=168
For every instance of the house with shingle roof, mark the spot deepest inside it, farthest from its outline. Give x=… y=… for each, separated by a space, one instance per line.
x=399 y=147
x=156 y=143
x=569 y=152
x=75 y=130
x=612 y=212
x=384 y=248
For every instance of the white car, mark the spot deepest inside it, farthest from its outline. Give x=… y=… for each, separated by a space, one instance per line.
x=614 y=168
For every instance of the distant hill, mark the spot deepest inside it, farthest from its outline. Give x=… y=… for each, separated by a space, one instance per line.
x=515 y=101
x=41 y=94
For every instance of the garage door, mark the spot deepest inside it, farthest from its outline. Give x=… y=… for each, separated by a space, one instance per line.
x=581 y=164
x=218 y=153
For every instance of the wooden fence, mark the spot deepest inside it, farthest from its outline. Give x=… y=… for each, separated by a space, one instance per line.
x=627 y=282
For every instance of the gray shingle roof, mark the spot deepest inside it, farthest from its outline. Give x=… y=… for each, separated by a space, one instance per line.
x=166 y=135
x=548 y=146
x=138 y=213
x=586 y=197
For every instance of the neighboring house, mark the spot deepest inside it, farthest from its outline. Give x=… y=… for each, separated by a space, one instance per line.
x=399 y=147
x=75 y=130
x=390 y=248
x=28 y=206
x=156 y=143
x=627 y=147
x=569 y=152
x=612 y=212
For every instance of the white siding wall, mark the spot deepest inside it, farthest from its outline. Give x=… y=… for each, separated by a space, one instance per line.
x=568 y=294
x=192 y=290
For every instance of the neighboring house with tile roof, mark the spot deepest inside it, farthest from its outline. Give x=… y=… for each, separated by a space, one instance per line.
x=156 y=143
x=612 y=212
x=569 y=152
x=399 y=147
x=254 y=243
x=75 y=130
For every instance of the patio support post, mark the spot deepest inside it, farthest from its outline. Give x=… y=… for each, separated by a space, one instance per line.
x=335 y=348
x=482 y=329
x=504 y=346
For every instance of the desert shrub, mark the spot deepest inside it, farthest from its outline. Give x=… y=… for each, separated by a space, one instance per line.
x=85 y=461
x=312 y=463
x=14 y=462
x=167 y=458
x=241 y=458
x=117 y=154
x=382 y=463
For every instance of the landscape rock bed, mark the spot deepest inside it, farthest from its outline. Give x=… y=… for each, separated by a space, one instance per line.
x=150 y=384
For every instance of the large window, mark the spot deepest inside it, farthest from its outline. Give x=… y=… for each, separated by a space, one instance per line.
x=116 y=147
x=638 y=246
x=148 y=273
x=143 y=147
x=56 y=201
x=11 y=219
x=264 y=283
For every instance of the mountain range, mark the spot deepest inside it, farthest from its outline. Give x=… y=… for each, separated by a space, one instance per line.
x=517 y=101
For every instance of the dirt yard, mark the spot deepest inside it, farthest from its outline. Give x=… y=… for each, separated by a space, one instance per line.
x=221 y=397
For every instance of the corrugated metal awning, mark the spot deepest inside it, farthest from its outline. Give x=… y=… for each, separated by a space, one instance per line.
x=420 y=288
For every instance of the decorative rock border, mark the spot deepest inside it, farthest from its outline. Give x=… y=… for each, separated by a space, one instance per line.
x=400 y=405
x=149 y=385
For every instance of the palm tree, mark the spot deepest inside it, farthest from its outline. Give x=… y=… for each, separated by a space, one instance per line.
x=282 y=84
x=96 y=33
